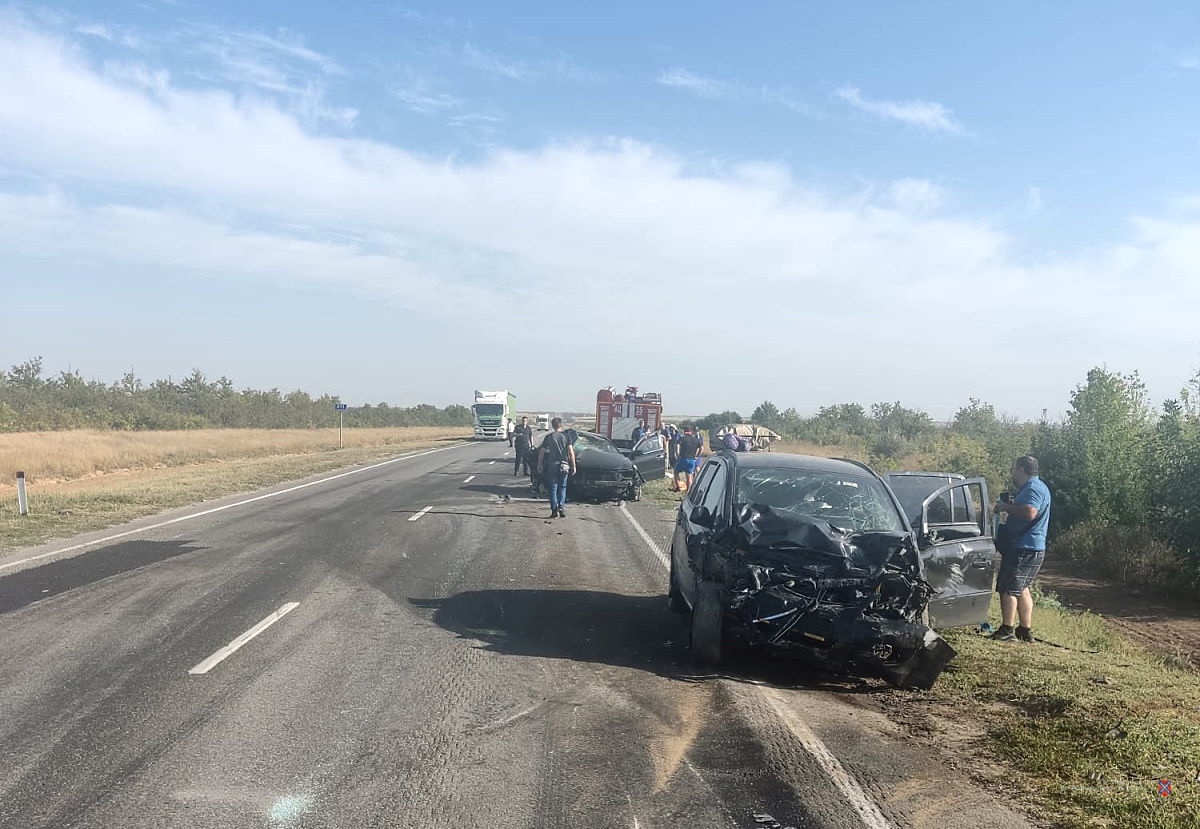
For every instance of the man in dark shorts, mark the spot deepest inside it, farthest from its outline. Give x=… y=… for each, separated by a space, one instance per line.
x=1029 y=512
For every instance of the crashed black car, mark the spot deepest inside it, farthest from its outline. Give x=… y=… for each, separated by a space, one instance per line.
x=816 y=557
x=604 y=473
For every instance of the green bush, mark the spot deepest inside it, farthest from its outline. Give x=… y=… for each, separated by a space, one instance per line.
x=1127 y=554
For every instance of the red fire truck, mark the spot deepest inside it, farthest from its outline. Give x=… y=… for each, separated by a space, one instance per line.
x=617 y=415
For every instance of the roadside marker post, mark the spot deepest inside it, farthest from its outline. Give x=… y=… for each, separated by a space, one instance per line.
x=340 y=408
x=22 y=500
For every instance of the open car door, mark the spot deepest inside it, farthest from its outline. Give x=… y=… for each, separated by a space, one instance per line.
x=649 y=455
x=954 y=534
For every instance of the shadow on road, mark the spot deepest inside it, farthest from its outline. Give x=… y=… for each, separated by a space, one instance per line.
x=612 y=629
x=28 y=586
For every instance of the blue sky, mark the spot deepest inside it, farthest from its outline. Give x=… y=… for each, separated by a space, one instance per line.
x=807 y=203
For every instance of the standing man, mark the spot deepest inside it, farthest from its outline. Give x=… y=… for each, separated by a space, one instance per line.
x=690 y=447
x=523 y=442
x=639 y=432
x=556 y=462
x=1028 y=515
x=510 y=429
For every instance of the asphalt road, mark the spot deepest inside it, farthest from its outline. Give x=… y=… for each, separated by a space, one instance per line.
x=479 y=666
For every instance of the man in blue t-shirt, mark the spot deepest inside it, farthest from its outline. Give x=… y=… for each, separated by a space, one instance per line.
x=1029 y=511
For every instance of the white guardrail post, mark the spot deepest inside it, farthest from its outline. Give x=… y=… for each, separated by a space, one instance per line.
x=22 y=501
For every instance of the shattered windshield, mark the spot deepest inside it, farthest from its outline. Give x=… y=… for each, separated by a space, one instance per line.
x=587 y=443
x=849 y=502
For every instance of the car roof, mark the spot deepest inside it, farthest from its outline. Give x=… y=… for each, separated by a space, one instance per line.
x=786 y=460
x=951 y=475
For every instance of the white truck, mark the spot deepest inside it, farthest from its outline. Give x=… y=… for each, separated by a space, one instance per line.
x=491 y=414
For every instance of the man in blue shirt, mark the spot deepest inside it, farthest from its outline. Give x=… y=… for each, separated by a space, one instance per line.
x=1029 y=511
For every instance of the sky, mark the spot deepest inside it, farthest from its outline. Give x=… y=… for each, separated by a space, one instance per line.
x=807 y=203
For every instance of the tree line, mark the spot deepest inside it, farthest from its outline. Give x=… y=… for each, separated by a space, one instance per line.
x=30 y=401
x=1125 y=474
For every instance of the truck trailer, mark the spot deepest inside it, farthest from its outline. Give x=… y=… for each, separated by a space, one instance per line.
x=491 y=414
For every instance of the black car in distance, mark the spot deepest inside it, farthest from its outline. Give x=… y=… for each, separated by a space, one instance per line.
x=816 y=556
x=604 y=473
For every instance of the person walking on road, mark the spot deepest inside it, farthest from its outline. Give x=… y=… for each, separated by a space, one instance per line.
x=690 y=447
x=523 y=443
x=511 y=430
x=556 y=463
x=1022 y=546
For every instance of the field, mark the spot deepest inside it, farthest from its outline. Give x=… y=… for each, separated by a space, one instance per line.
x=87 y=480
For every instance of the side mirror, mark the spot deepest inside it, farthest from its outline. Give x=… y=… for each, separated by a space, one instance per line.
x=703 y=517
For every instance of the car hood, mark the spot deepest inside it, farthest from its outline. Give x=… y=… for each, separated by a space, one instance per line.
x=603 y=462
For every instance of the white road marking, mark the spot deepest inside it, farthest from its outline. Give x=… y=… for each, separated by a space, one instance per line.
x=862 y=803
x=662 y=557
x=468 y=480
x=490 y=463
x=236 y=645
x=419 y=514
x=241 y=503
x=856 y=796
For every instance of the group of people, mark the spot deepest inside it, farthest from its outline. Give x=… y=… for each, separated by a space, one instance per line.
x=684 y=449
x=553 y=462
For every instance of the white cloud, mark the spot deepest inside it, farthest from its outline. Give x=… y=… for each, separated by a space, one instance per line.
x=703 y=86
x=926 y=115
x=495 y=64
x=419 y=95
x=837 y=296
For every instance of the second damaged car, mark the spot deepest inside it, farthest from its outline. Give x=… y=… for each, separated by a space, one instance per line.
x=815 y=557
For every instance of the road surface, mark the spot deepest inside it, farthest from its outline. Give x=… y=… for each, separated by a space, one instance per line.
x=414 y=645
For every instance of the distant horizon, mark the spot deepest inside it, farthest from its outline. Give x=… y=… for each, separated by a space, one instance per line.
x=837 y=204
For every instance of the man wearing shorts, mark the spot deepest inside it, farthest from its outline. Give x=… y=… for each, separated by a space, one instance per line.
x=690 y=447
x=1030 y=511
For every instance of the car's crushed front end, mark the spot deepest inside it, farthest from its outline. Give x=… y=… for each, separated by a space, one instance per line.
x=852 y=600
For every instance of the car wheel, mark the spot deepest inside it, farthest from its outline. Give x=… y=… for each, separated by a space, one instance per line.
x=675 y=600
x=708 y=620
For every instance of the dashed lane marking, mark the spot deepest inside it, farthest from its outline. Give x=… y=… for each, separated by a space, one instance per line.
x=419 y=514
x=241 y=503
x=862 y=803
x=468 y=480
x=236 y=645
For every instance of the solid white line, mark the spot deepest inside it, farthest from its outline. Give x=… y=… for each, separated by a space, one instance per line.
x=419 y=514
x=662 y=557
x=861 y=802
x=870 y=813
x=128 y=533
x=468 y=480
x=236 y=645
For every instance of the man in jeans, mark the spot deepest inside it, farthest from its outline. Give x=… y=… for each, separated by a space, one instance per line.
x=555 y=463
x=1029 y=511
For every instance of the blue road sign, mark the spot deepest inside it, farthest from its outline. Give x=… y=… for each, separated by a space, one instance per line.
x=339 y=407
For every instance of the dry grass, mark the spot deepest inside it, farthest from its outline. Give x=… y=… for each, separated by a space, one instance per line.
x=50 y=457
x=799 y=447
x=174 y=469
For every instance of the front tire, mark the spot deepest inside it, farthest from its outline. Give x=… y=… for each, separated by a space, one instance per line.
x=708 y=623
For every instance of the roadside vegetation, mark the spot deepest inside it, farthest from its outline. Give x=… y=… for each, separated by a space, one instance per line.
x=1124 y=474
x=30 y=402
x=1086 y=726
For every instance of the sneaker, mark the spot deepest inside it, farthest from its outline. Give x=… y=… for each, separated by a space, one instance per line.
x=554 y=513
x=1004 y=634
x=1025 y=634
x=562 y=513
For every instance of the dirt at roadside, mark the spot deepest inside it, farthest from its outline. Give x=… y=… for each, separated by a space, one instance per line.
x=1168 y=626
